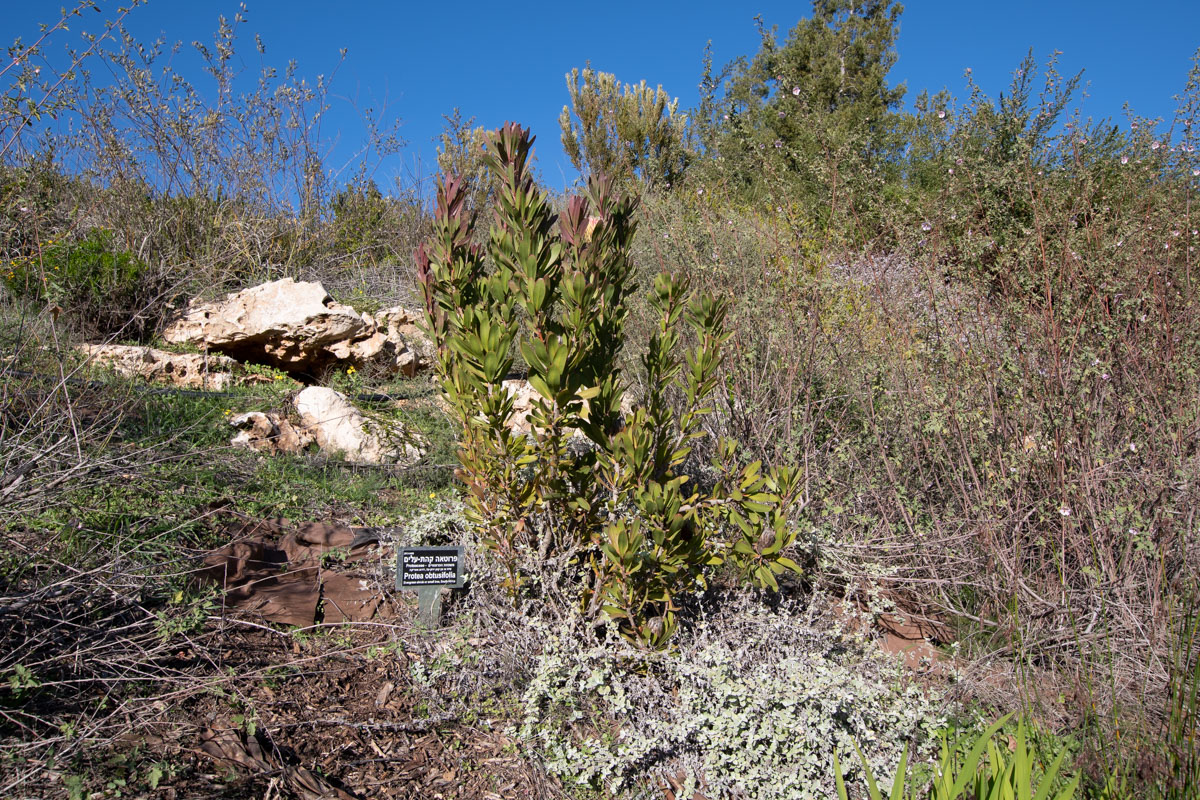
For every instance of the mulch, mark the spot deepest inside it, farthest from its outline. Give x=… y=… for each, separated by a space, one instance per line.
x=332 y=712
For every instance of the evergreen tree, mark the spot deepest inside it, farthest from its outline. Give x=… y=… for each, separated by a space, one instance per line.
x=818 y=102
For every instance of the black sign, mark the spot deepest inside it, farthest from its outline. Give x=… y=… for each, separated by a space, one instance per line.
x=429 y=566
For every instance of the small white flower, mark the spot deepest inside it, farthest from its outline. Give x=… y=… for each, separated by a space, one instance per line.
x=795 y=91
x=1154 y=145
x=925 y=226
x=941 y=115
x=1065 y=511
x=1124 y=159
x=1133 y=447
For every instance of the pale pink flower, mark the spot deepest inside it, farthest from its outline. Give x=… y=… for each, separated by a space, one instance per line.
x=795 y=91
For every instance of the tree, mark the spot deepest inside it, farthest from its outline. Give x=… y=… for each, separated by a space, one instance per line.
x=625 y=132
x=819 y=100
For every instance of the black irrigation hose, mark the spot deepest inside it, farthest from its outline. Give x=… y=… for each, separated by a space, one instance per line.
x=365 y=397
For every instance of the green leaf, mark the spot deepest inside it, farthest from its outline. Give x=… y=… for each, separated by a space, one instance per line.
x=537 y=295
x=540 y=386
x=1048 y=781
x=872 y=786
x=970 y=765
x=901 y=776
x=766 y=579
x=787 y=563
x=837 y=778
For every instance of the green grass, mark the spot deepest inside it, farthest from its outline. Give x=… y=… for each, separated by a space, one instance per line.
x=186 y=468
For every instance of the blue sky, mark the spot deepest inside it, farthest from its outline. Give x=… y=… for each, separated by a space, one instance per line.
x=507 y=60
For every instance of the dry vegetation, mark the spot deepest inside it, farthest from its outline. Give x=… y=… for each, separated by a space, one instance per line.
x=976 y=331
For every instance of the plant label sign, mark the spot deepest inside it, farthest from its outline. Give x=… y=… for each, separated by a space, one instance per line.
x=429 y=570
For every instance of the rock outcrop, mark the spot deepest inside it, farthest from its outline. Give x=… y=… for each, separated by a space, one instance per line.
x=329 y=419
x=298 y=328
x=185 y=370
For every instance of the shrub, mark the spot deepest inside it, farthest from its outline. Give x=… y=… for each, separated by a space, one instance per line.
x=107 y=289
x=623 y=131
x=999 y=414
x=616 y=506
x=751 y=705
